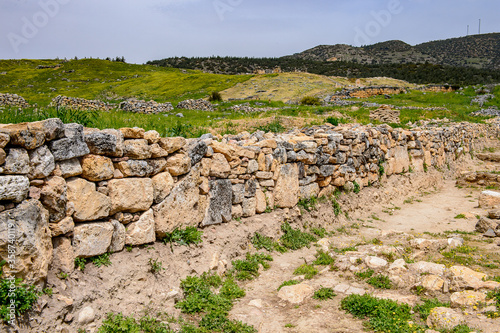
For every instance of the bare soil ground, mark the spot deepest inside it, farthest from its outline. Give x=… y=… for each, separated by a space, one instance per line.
x=415 y=204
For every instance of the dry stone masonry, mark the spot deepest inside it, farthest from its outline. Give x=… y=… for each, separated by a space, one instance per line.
x=13 y=100
x=70 y=191
x=385 y=114
x=140 y=106
x=75 y=103
x=196 y=104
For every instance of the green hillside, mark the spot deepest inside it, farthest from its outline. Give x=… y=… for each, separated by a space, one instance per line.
x=107 y=80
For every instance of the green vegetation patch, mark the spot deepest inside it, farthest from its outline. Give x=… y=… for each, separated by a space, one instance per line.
x=248 y=269
x=187 y=236
x=309 y=271
x=295 y=239
x=323 y=294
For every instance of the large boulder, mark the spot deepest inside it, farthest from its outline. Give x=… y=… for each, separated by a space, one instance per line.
x=27 y=228
x=182 y=207
x=137 y=149
x=92 y=239
x=142 y=231
x=130 y=195
x=22 y=135
x=484 y=224
x=489 y=199
x=220 y=202
x=287 y=186
x=89 y=204
x=14 y=188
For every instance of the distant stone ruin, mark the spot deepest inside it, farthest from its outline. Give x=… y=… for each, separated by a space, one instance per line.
x=75 y=103
x=196 y=104
x=385 y=114
x=13 y=100
x=140 y=106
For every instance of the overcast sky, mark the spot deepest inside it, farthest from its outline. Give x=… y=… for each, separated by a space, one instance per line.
x=142 y=30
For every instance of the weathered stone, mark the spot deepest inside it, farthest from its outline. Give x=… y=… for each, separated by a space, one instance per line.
x=238 y=193
x=118 y=238
x=92 y=239
x=250 y=188
x=227 y=150
x=63 y=255
x=428 y=244
x=97 y=168
x=14 y=188
x=467 y=298
x=73 y=145
x=253 y=166
x=162 y=185
x=4 y=139
x=237 y=211
x=89 y=204
x=171 y=145
x=484 y=224
x=455 y=242
x=157 y=151
x=296 y=294
x=21 y=135
x=41 y=162
x=197 y=151
x=135 y=168
x=432 y=282
x=309 y=191
x=220 y=199
x=86 y=316
x=27 y=227
x=489 y=199
x=70 y=168
x=219 y=167
x=178 y=164
x=466 y=278
x=494 y=214
x=261 y=204
x=152 y=137
x=444 y=318
x=375 y=262
x=17 y=162
x=101 y=143
x=130 y=194
x=53 y=128
x=287 y=186
x=142 y=231
x=182 y=207
x=490 y=234
x=66 y=225
x=54 y=198
x=120 y=142
x=137 y=149
x=423 y=267
x=249 y=206
x=3 y=155
x=132 y=133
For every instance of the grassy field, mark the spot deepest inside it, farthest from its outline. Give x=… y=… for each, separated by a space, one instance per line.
x=114 y=81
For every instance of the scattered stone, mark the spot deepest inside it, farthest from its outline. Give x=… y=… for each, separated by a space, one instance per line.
x=444 y=318
x=484 y=224
x=467 y=299
x=375 y=262
x=86 y=316
x=296 y=294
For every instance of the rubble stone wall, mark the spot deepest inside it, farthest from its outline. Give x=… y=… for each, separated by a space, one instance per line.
x=67 y=191
x=13 y=100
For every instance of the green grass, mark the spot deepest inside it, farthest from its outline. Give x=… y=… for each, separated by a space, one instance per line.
x=323 y=259
x=248 y=269
x=365 y=274
x=23 y=297
x=102 y=260
x=288 y=283
x=264 y=242
x=295 y=239
x=308 y=204
x=309 y=271
x=425 y=309
x=380 y=282
x=323 y=294
x=185 y=237
x=345 y=249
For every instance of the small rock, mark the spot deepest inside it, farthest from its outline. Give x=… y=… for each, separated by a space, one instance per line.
x=444 y=318
x=467 y=298
x=296 y=294
x=490 y=234
x=257 y=303
x=86 y=316
x=375 y=262
x=179 y=115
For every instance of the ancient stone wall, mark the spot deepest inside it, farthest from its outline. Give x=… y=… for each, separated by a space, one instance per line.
x=75 y=103
x=139 y=106
x=13 y=100
x=366 y=92
x=68 y=191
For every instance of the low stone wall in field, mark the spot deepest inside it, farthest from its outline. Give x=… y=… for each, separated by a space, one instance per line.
x=75 y=103
x=13 y=100
x=68 y=191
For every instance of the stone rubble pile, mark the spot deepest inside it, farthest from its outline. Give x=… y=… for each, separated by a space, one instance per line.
x=140 y=106
x=385 y=114
x=195 y=104
x=13 y=100
x=75 y=103
x=491 y=111
x=481 y=99
x=94 y=191
x=366 y=92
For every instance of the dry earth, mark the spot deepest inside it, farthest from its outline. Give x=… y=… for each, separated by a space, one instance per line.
x=399 y=209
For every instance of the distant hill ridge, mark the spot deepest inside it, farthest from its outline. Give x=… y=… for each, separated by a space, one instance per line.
x=478 y=51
